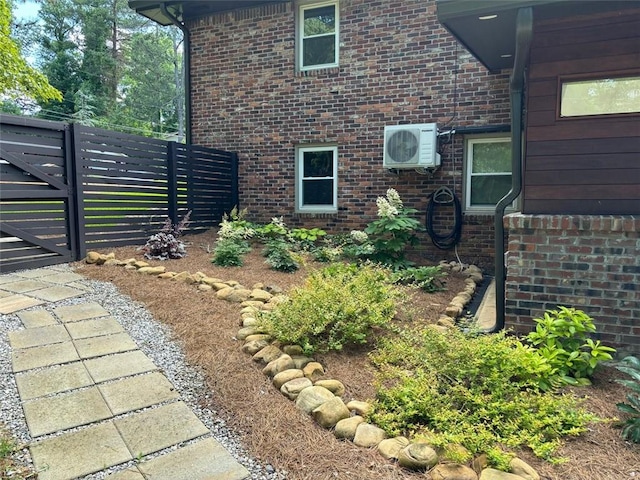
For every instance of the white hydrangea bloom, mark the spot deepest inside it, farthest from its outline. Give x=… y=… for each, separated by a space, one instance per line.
x=359 y=236
x=394 y=198
x=385 y=209
x=279 y=221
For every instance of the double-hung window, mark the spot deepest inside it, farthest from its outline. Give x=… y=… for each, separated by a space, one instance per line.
x=318 y=35
x=487 y=172
x=317 y=179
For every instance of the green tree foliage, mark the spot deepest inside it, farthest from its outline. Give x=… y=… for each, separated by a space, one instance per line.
x=17 y=78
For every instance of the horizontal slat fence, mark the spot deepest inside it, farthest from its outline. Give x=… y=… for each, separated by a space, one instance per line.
x=70 y=188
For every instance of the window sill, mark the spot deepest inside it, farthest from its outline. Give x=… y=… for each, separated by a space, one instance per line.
x=317 y=72
x=327 y=214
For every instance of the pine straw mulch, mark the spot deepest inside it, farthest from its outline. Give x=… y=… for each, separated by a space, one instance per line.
x=270 y=425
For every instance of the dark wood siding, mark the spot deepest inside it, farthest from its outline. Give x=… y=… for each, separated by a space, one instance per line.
x=581 y=165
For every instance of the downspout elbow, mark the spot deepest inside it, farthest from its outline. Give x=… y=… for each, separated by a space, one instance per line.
x=524 y=35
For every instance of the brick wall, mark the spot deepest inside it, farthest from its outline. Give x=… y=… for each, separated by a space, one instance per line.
x=397 y=66
x=589 y=262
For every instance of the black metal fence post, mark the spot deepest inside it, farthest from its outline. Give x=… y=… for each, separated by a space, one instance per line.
x=75 y=179
x=172 y=181
x=235 y=192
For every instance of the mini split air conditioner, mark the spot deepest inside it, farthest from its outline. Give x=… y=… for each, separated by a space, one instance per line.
x=411 y=146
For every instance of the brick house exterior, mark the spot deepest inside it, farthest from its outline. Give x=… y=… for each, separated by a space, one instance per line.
x=397 y=66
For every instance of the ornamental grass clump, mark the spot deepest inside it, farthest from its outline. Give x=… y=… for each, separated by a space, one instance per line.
x=338 y=307
x=481 y=392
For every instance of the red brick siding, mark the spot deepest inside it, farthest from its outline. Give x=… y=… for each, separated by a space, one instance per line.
x=397 y=65
x=589 y=262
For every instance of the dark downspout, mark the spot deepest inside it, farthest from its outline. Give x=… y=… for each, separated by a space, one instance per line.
x=524 y=34
x=187 y=70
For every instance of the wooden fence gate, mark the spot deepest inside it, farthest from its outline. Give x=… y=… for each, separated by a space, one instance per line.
x=65 y=188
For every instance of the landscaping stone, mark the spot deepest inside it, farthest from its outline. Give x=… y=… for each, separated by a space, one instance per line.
x=347 y=427
x=141 y=264
x=250 y=322
x=292 y=350
x=220 y=286
x=205 y=288
x=280 y=364
x=260 y=295
x=254 y=346
x=493 y=474
x=311 y=398
x=334 y=386
x=258 y=336
x=238 y=295
x=301 y=361
x=166 y=275
x=417 y=456
x=330 y=412
x=522 y=468
x=313 y=371
x=267 y=354
x=152 y=270
x=368 y=435
x=452 y=471
x=210 y=281
x=92 y=258
x=390 y=447
x=361 y=408
x=292 y=388
x=244 y=332
x=286 y=376
x=479 y=463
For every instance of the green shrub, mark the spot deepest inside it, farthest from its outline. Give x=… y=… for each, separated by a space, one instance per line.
x=307 y=235
x=279 y=256
x=561 y=337
x=428 y=279
x=276 y=229
x=234 y=226
x=631 y=429
x=228 y=252
x=337 y=307
x=478 y=391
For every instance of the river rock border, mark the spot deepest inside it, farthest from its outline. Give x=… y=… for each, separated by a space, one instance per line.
x=301 y=378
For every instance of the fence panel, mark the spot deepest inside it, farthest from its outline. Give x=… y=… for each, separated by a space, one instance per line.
x=36 y=208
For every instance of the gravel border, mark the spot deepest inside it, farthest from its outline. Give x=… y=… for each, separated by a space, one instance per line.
x=152 y=338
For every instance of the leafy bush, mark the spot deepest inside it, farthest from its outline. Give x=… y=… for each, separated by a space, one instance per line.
x=234 y=226
x=165 y=244
x=428 y=279
x=228 y=252
x=477 y=391
x=276 y=229
x=631 y=430
x=393 y=231
x=307 y=236
x=561 y=337
x=279 y=256
x=337 y=307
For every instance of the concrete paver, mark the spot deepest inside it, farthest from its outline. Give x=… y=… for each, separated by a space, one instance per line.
x=83 y=311
x=17 y=302
x=64 y=411
x=56 y=293
x=125 y=364
x=24 y=286
x=44 y=356
x=34 y=337
x=4 y=293
x=36 y=318
x=94 y=328
x=57 y=379
x=36 y=273
x=75 y=454
x=9 y=278
x=98 y=346
x=159 y=428
x=61 y=278
x=485 y=317
x=203 y=460
x=133 y=393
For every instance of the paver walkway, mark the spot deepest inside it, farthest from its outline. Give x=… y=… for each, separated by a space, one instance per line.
x=85 y=389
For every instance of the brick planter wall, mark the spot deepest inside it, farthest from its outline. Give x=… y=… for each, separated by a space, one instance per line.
x=397 y=66
x=589 y=262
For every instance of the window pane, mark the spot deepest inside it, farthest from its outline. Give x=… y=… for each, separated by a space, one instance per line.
x=318 y=164
x=491 y=157
x=319 y=51
x=489 y=189
x=318 y=21
x=317 y=192
x=600 y=97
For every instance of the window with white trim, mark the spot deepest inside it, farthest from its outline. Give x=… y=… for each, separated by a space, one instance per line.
x=487 y=172
x=318 y=35
x=317 y=179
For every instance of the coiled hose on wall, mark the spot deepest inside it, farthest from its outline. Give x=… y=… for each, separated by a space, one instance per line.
x=444 y=197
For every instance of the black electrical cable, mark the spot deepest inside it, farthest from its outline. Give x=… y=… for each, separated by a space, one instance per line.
x=444 y=196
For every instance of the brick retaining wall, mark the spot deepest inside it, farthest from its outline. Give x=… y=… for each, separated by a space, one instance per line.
x=590 y=262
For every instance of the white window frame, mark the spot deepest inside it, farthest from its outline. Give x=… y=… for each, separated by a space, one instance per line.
x=300 y=179
x=469 y=142
x=310 y=5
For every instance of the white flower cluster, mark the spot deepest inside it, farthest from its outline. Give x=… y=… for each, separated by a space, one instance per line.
x=385 y=209
x=230 y=231
x=279 y=221
x=359 y=236
x=394 y=199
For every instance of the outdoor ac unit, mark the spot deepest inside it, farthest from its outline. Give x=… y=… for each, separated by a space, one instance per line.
x=411 y=146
